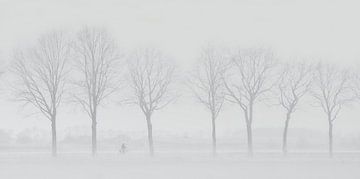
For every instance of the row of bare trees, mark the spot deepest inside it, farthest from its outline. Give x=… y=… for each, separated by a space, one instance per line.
x=87 y=69
x=247 y=76
x=240 y=77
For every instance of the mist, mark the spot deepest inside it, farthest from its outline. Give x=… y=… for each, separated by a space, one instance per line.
x=179 y=89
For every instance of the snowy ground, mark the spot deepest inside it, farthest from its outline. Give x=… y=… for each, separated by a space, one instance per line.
x=179 y=165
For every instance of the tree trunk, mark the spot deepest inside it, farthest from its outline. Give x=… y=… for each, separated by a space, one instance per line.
x=249 y=129
x=249 y=139
x=213 y=136
x=150 y=137
x=330 y=139
x=93 y=136
x=53 y=137
x=284 y=147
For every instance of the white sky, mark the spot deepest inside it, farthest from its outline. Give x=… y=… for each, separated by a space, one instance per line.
x=327 y=30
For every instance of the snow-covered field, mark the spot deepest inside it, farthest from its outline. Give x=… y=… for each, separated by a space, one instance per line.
x=179 y=165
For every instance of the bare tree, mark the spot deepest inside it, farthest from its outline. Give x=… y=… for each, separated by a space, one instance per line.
x=151 y=76
x=294 y=83
x=41 y=73
x=248 y=80
x=207 y=85
x=96 y=60
x=332 y=92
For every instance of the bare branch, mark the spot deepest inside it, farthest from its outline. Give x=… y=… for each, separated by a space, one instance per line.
x=207 y=81
x=331 y=89
x=151 y=77
x=250 y=77
x=96 y=58
x=41 y=73
x=294 y=83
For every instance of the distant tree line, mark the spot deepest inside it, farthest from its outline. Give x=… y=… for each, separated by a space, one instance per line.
x=89 y=67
